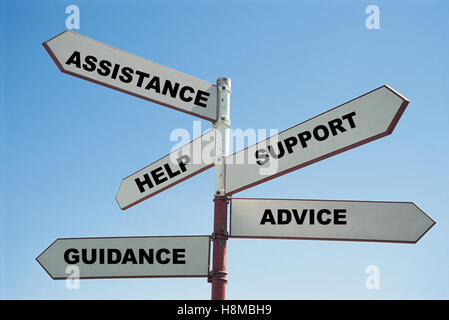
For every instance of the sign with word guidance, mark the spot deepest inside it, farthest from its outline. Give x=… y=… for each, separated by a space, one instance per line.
x=94 y=61
x=128 y=257
x=328 y=220
x=359 y=121
x=179 y=165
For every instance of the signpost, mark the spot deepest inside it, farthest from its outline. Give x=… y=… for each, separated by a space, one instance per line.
x=128 y=257
x=94 y=61
x=328 y=220
x=179 y=165
x=354 y=123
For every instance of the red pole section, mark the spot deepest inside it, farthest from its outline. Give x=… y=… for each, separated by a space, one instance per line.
x=218 y=273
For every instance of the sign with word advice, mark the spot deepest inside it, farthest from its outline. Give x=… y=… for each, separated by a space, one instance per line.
x=359 y=121
x=128 y=257
x=179 y=165
x=91 y=60
x=328 y=220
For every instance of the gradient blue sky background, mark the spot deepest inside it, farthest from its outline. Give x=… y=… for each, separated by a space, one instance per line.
x=67 y=143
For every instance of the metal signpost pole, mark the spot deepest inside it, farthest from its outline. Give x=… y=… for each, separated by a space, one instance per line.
x=220 y=235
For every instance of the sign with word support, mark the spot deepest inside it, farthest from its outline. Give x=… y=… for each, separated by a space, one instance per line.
x=328 y=220
x=94 y=61
x=179 y=165
x=354 y=123
x=128 y=257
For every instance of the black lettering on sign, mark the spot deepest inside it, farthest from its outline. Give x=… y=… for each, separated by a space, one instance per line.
x=170 y=173
x=311 y=216
x=262 y=156
x=284 y=216
x=322 y=217
x=147 y=181
x=104 y=68
x=201 y=98
x=101 y=256
x=154 y=84
x=319 y=133
x=85 y=256
x=126 y=74
x=300 y=219
x=146 y=255
x=183 y=161
x=172 y=89
x=280 y=149
x=71 y=256
x=89 y=64
x=320 y=136
x=304 y=137
x=159 y=256
x=141 y=75
x=290 y=143
x=115 y=71
x=179 y=256
x=339 y=216
x=75 y=58
x=182 y=93
x=335 y=125
x=268 y=217
x=114 y=256
x=128 y=256
x=350 y=119
x=160 y=175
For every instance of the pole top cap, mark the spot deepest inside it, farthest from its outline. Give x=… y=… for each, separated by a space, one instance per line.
x=224 y=82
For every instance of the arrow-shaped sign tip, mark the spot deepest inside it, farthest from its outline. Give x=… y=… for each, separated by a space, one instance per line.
x=430 y=222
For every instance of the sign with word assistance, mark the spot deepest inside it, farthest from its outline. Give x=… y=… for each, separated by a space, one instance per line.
x=359 y=121
x=91 y=60
x=179 y=165
x=328 y=220
x=128 y=257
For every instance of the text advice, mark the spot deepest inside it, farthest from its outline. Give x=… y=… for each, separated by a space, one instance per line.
x=328 y=220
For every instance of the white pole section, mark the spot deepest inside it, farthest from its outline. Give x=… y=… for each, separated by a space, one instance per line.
x=222 y=133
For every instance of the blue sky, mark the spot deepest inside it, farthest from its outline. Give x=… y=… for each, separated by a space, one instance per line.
x=67 y=143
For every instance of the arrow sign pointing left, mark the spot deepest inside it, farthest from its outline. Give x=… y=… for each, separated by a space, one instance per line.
x=128 y=257
x=328 y=220
x=94 y=61
x=179 y=165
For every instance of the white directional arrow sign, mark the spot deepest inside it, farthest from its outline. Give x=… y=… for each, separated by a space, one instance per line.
x=128 y=257
x=91 y=60
x=168 y=171
x=328 y=220
x=359 y=121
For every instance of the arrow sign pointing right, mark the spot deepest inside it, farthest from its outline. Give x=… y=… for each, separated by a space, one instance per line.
x=354 y=123
x=328 y=220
